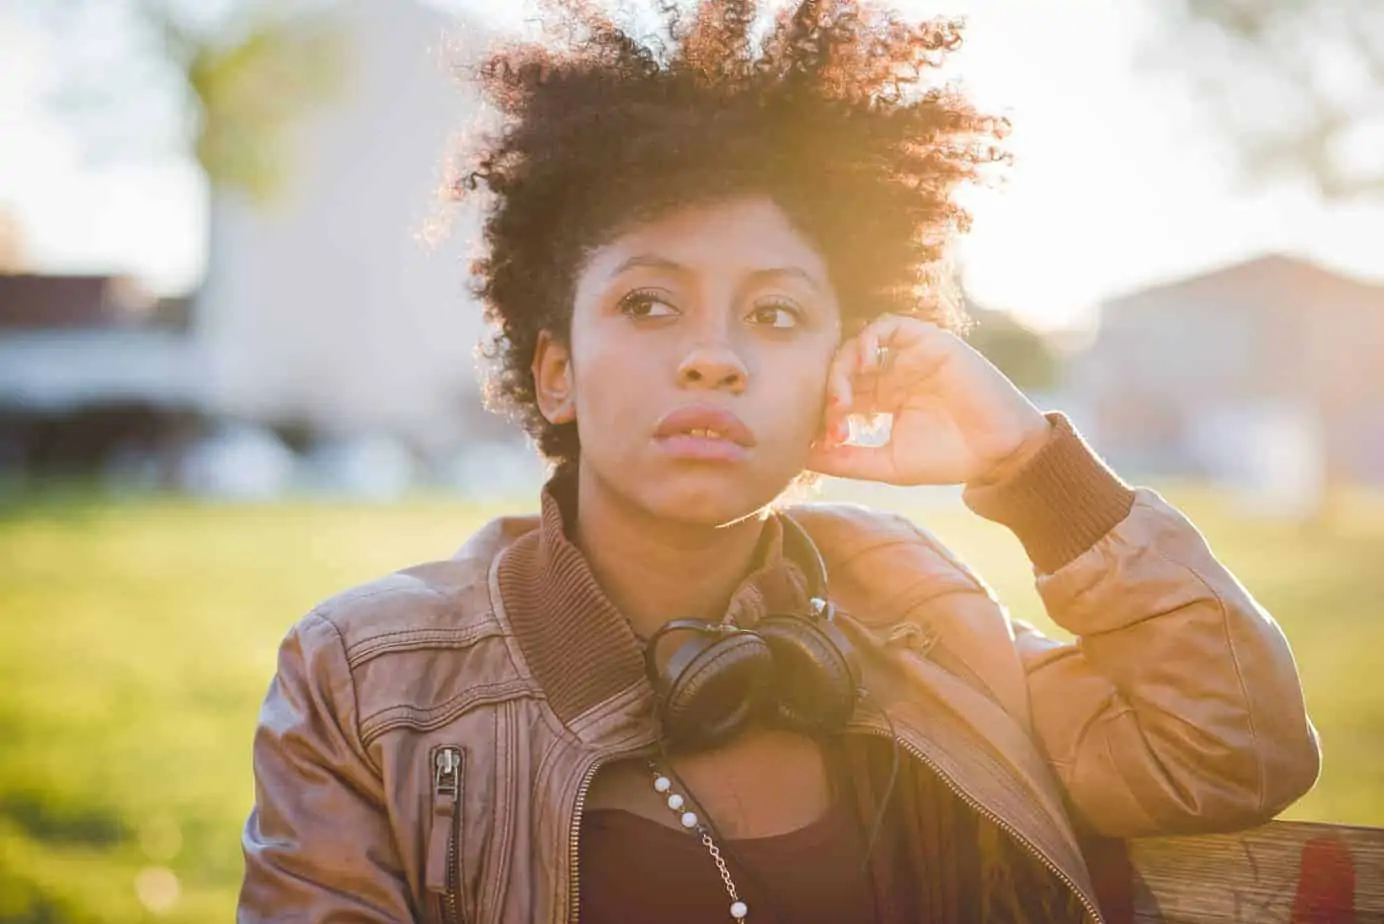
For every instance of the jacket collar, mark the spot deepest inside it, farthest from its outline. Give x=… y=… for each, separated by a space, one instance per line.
x=580 y=648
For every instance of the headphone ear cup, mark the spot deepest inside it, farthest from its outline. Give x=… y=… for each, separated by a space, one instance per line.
x=816 y=674
x=712 y=686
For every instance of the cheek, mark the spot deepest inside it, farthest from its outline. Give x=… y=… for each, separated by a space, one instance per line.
x=799 y=396
x=811 y=419
x=606 y=377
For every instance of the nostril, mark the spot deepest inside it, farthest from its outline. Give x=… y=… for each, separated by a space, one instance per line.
x=694 y=375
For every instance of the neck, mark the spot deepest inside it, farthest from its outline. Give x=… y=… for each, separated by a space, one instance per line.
x=654 y=570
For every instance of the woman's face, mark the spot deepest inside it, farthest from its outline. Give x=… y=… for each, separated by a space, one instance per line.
x=697 y=362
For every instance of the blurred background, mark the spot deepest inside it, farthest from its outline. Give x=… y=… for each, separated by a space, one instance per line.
x=237 y=369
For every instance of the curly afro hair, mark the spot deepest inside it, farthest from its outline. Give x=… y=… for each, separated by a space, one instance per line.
x=825 y=109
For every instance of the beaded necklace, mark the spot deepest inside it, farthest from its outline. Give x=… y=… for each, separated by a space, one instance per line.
x=676 y=802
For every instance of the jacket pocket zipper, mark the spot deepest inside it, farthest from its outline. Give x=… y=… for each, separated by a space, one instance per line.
x=443 y=863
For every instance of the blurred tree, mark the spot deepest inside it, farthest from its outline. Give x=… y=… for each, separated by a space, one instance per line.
x=1019 y=352
x=223 y=80
x=1296 y=85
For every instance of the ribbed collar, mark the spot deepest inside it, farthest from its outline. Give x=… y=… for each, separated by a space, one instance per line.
x=579 y=647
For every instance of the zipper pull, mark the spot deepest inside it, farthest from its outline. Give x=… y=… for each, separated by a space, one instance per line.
x=442 y=839
x=447 y=780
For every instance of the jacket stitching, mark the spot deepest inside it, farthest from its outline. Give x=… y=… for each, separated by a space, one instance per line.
x=847 y=560
x=941 y=652
x=950 y=558
x=929 y=542
x=435 y=716
x=369 y=593
x=1224 y=613
x=355 y=694
x=411 y=639
x=451 y=610
x=959 y=568
x=1112 y=537
x=504 y=822
x=1114 y=707
x=1153 y=821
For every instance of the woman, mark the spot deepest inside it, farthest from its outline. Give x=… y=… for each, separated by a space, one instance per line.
x=668 y=697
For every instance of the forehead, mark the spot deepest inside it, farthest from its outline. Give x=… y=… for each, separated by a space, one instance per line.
x=726 y=236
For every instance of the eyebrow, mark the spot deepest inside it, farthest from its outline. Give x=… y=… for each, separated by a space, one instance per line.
x=651 y=261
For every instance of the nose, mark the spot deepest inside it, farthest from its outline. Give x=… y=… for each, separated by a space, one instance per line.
x=714 y=366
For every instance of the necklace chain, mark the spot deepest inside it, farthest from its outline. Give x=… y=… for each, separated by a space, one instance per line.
x=710 y=844
x=663 y=785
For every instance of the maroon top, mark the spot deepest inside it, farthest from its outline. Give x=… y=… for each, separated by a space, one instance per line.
x=634 y=869
x=936 y=861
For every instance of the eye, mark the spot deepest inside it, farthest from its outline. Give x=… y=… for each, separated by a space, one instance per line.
x=647 y=303
x=776 y=314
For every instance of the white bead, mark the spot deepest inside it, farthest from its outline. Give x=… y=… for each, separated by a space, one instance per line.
x=738 y=910
x=663 y=784
x=675 y=802
x=689 y=820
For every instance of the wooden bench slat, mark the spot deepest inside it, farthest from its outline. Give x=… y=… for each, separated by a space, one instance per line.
x=1281 y=873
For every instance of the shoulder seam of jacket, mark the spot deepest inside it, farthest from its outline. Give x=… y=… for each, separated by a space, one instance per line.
x=361 y=750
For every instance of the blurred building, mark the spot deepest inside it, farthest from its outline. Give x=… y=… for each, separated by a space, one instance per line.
x=324 y=309
x=330 y=345
x=1273 y=368
x=92 y=368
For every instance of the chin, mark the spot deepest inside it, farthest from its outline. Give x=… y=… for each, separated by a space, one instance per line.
x=710 y=495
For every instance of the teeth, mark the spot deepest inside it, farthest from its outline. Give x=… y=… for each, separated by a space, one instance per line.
x=705 y=432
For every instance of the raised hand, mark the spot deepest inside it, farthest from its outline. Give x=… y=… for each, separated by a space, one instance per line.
x=956 y=418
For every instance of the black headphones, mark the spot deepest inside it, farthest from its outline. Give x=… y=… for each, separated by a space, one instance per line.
x=797 y=670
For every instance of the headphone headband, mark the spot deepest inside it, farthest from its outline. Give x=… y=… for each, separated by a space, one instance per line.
x=799 y=548
x=681 y=625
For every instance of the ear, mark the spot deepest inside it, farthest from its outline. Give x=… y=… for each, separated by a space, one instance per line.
x=552 y=378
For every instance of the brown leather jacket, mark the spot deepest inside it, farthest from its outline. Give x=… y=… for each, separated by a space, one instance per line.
x=413 y=764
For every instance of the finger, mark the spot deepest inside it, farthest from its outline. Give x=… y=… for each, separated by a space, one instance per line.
x=837 y=432
x=870 y=463
x=868 y=350
x=917 y=350
x=905 y=333
x=840 y=376
x=874 y=385
x=868 y=395
x=832 y=434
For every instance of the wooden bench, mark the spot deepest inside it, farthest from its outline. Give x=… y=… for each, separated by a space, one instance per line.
x=1282 y=873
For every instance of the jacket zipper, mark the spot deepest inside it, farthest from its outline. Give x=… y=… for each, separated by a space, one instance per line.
x=574 y=833
x=990 y=816
x=573 y=837
x=443 y=870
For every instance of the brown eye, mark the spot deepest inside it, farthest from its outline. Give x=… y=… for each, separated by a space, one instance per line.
x=647 y=303
x=778 y=315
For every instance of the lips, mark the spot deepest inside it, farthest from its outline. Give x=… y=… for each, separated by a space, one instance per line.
x=704 y=432
x=705 y=420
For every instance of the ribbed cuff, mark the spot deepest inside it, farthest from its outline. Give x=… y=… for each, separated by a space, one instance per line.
x=1060 y=503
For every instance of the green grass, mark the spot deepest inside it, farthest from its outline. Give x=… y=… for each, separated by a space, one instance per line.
x=136 y=640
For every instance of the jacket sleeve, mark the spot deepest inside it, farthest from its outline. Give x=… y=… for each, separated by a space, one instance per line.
x=1178 y=708
x=318 y=847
